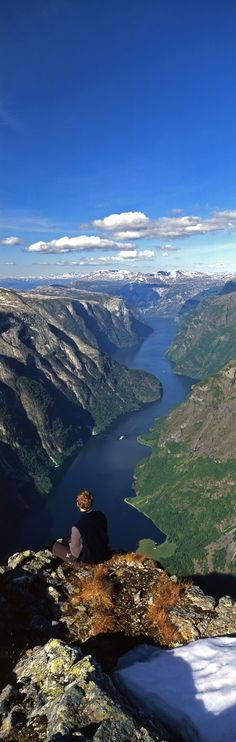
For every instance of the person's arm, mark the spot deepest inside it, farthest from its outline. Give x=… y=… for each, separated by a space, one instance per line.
x=76 y=543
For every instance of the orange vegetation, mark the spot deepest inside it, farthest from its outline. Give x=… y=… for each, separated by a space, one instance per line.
x=96 y=589
x=109 y=592
x=167 y=595
x=165 y=632
x=104 y=623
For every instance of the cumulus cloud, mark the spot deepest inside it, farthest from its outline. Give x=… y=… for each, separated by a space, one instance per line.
x=128 y=234
x=136 y=225
x=75 y=244
x=136 y=254
x=127 y=219
x=11 y=241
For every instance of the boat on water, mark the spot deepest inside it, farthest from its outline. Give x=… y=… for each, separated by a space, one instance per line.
x=121 y=437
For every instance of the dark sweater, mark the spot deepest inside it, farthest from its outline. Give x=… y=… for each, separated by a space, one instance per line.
x=93 y=529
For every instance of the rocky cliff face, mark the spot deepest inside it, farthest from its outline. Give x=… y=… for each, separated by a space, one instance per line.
x=57 y=382
x=62 y=630
x=206 y=340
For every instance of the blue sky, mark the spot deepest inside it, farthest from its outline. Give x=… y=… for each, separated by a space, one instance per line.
x=117 y=135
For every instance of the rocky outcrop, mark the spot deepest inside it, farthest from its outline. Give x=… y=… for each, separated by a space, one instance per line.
x=62 y=629
x=60 y=694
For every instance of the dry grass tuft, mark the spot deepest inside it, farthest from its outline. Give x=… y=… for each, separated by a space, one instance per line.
x=169 y=594
x=103 y=623
x=97 y=591
x=157 y=612
x=163 y=576
x=101 y=569
x=165 y=632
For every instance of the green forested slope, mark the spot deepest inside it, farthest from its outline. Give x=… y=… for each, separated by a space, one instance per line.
x=188 y=485
x=206 y=340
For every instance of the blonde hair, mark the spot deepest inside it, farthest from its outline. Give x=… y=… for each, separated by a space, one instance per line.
x=84 y=500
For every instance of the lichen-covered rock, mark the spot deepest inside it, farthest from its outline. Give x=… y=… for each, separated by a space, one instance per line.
x=200 y=600
x=56 y=691
x=19 y=558
x=186 y=630
x=224 y=619
x=62 y=693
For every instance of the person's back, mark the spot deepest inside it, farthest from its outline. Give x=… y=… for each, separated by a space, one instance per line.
x=89 y=537
x=92 y=527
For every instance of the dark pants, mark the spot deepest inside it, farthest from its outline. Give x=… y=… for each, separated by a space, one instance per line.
x=62 y=551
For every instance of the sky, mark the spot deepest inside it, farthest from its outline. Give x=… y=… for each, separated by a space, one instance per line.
x=117 y=136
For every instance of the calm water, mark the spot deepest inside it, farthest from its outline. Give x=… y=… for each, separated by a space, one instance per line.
x=106 y=464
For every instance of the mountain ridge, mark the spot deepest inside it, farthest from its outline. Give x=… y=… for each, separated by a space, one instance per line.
x=162 y=293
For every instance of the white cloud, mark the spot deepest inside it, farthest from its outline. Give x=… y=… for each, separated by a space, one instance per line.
x=121 y=221
x=128 y=255
x=128 y=235
x=134 y=225
x=9 y=263
x=75 y=244
x=146 y=254
x=11 y=241
x=114 y=229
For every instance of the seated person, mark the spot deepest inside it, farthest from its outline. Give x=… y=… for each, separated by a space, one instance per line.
x=89 y=538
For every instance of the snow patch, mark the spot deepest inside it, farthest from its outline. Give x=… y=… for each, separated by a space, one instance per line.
x=192 y=689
